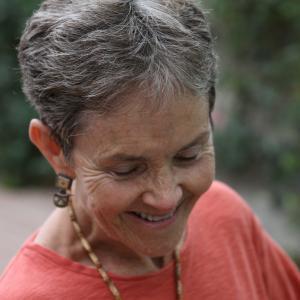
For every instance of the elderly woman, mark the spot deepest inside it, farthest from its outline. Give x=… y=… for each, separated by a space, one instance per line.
x=125 y=91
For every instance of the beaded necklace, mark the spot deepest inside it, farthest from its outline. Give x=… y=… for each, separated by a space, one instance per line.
x=103 y=274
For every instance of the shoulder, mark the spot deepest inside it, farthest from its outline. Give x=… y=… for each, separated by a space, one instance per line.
x=39 y=273
x=222 y=208
x=223 y=201
x=220 y=191
x=17 y=282
x=30 y=274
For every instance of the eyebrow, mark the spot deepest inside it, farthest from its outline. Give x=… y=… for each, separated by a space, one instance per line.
x=203 y=136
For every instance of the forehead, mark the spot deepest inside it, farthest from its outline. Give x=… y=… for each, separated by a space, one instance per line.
x=139 y=126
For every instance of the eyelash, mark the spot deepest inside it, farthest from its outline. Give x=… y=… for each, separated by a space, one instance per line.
x=187 y=159
x=135 y=169
x=127 y=173
x=191 y=155
x=138 y=169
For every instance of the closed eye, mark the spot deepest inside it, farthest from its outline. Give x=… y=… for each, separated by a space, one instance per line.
x=188 y=155
x=126 y=171
x=187 y=158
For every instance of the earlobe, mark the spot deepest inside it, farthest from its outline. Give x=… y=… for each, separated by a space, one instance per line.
x=40 y=135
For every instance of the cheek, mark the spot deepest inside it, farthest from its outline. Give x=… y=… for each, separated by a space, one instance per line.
x=202 y=176
x=103 y=207
x=94 y=192
x=110 y=199
x=109 y=202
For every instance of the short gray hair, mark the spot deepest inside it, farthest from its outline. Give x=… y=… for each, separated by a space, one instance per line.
x=82 y=55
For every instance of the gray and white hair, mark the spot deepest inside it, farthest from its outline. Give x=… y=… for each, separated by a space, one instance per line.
x=78 y=56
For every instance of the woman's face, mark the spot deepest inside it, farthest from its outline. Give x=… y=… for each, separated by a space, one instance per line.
x=140 y=171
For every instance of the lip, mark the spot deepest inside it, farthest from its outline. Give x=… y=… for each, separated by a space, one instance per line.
x=157 y=224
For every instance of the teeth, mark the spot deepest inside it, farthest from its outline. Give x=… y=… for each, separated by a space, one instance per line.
x=155 y=218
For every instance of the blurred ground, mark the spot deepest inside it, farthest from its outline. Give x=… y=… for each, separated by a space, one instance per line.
x=23 y=211
x=20 y=214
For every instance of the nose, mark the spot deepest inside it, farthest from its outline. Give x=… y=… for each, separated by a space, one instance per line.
x=164 y=192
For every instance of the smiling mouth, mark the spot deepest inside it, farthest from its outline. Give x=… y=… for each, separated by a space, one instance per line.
x=155 y=218
x=152 y=218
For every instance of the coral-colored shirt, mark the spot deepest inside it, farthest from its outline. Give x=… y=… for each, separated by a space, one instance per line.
x=226 y=255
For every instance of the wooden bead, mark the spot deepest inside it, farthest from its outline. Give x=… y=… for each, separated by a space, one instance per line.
x=105 y=277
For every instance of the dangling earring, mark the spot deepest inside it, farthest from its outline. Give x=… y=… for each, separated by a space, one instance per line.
x=62 y=195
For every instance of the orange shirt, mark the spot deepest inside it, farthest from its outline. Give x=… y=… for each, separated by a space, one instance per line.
x=226 y=255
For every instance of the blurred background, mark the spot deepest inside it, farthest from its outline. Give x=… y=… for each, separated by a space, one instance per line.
x=257 y=119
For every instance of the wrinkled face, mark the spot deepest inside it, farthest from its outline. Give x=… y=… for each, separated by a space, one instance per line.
x=140 y=171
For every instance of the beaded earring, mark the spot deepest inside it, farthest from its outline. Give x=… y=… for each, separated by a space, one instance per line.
x=62 y=195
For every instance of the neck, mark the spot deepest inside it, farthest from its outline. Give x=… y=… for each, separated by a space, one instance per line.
x=58 y=235
x=102 y=272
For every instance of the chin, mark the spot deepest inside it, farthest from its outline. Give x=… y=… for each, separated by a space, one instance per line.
x=160 y=247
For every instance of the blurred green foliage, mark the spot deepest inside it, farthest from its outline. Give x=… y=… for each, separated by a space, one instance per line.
x=20 y=163
x=259 y=43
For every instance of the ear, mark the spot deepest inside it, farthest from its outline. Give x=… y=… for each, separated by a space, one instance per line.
x=40 y=135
